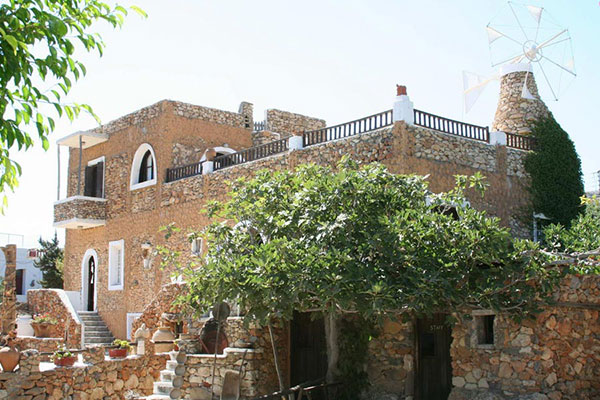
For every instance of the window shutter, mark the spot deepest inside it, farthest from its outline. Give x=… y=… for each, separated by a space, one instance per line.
x=99 y=180
x=88 y=189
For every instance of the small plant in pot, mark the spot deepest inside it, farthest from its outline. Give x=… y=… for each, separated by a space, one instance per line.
x=42 y=325
x=63 y=358
x=120 y=349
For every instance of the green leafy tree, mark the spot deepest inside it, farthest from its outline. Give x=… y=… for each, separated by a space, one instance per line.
x=582 y=236
x=358 y=241
x=555 y=171
x=39 y=44
x=51 y=263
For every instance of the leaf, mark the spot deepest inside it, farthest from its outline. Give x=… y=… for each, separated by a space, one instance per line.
x=12 y=41
x=139 y=11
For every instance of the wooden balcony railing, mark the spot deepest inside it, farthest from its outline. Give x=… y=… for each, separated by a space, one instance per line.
x=251 y=154
x=451 y=126
x=174 y=174
x=520 y=142
x=370 y=123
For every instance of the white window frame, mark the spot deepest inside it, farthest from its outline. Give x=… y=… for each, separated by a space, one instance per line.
x=111 y=246
x=135 y=168
x=103 y=161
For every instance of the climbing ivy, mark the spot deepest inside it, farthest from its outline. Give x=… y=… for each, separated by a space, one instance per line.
x=555 y=171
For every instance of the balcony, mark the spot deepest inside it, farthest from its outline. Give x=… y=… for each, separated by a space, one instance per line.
x=80 y=212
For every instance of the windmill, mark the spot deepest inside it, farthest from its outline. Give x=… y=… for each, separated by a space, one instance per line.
x=527 y=39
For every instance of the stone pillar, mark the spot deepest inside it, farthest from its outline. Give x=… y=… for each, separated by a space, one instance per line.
x=515 y=113
x=8 y=312
x=247 y=110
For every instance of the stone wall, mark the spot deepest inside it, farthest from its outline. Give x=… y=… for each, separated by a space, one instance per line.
x=56 y=303
x=94 y=377
x=516 y=114
x=288 y=124
x=555 y=356
x=391 y=360
x=79 y=207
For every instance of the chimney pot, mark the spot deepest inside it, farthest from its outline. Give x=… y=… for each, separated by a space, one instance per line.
x=400 y=90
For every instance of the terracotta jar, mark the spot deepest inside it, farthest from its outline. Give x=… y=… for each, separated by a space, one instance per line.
x=163 y=340
x=9 y=358
x=42 y=329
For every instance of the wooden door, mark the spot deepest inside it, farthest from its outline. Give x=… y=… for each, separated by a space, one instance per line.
x=434 y=371
x=308 y=350
x=91 y=283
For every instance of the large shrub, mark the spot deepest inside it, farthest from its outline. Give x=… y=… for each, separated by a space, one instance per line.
x=555 y=170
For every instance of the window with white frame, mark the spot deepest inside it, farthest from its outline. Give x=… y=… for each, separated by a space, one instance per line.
x=116 y=264
x=143 y=168
x=196 y=244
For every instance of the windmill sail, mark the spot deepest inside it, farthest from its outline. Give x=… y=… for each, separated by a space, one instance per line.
x=536 y=13
x=493 y=35
x=525 y=93
x=473 y=85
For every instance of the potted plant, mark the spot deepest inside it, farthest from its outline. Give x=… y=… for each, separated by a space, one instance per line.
x=9 y=356
x=42 y=325
x=120 y=349
x=63 y=358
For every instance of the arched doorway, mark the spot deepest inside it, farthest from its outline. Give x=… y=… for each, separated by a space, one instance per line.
x=89 y=278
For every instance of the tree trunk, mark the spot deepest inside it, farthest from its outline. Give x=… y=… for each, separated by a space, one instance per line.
x=276 y=359
x=333 y=350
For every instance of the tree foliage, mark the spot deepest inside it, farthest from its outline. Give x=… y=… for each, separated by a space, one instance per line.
x=583 y=235
x=51 y=263
x=555 y=171
x=39 y=43
x=359 y=240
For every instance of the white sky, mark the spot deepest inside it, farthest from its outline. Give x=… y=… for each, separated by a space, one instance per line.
x=337 y=60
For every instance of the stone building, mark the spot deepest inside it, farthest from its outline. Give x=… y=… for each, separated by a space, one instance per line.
x=161 y=164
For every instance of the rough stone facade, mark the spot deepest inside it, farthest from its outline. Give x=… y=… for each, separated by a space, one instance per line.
x=136 y=216
x=516 y=114
x=80 y=207
x=93 y=379
x=554 y=356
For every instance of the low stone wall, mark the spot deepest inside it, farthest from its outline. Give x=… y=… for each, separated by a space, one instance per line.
x=43 y=345
x=199 y=372
x=55 y=303
x=94 y=378
x=79 y=207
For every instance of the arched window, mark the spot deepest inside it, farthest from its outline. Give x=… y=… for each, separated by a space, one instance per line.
x=143 y=168
x=146 y=168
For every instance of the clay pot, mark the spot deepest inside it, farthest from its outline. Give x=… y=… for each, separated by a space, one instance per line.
x=66 y=361
x=9 y=358
x=118 y=353
x=42 y=329
x=163 y=340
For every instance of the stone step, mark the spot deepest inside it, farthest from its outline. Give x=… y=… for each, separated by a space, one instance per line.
x=94 y=323
x=90 y=318
x=104 y=333
x=92 y=329
x=98 y=340
x=166 y=375
x=157 y=397
x=163 y=388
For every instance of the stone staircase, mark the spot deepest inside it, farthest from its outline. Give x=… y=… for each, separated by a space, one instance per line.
x=95 y=329
x=171 y=379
